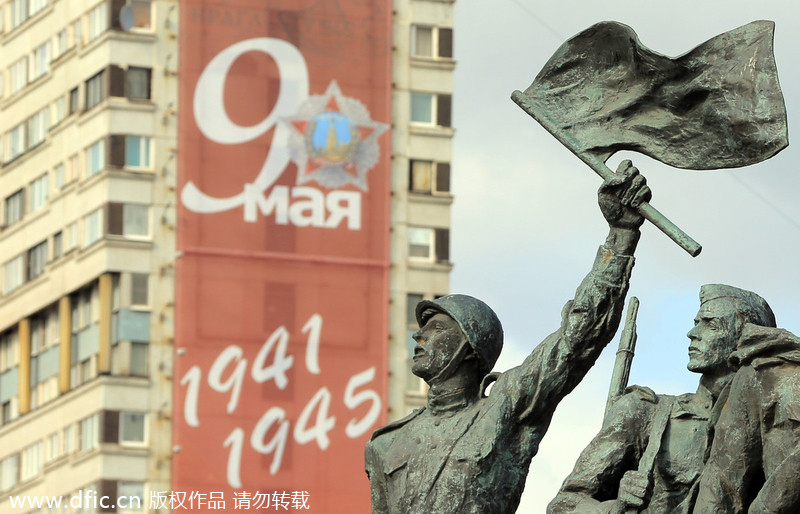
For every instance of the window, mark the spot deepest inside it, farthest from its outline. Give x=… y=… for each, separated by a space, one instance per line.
x=14 y=274
x=41 y=60
x=37 y=127
x=431 y=42
x=420 y=243
x=9 y=350
x=429 y=244
x=430 y=109
x=18 y=75
x=422 y=41
x=58 y=245
x=95 y=158
x=16 y=141
x=60 y=43
x=15 y=207
x=89 y=433
x=137 y=152
x=139 y=288
x=98 y=21
x=71 y=237
x=9 y=472
x=10 y=410
x=31 y=461
x=95 y=90
x=138 y=364
x=60 y=175
x=137 y=83
x=422 y=108
x=69 y=440
x=37 y=5
x=411 y=309
x=85 y=306
x=53 y=447
x=77 y=32
x=142 y=14
x=39 y=190
x=93 y=227
x=19 y=12
x=131 y=428
x=130 y=496
x=129 y=220
x=36 y=260
x=132 y=82
x=133 y=152
x=74 y=102
x=429 y=177
x=44 y=335
x=53 y=332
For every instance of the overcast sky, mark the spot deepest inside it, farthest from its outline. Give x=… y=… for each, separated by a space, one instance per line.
x=526 y=224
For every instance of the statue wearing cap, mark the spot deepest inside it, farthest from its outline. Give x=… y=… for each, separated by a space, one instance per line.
x=467 y=451
x=652 y=449
x=754 y=464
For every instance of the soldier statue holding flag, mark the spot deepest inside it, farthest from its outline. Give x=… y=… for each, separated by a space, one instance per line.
x=718 y=106
x=468 y=450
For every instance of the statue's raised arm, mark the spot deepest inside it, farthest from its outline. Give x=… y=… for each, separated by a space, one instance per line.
x=467 y=451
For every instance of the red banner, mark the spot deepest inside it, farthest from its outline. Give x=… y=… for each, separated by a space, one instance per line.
x=282 y=279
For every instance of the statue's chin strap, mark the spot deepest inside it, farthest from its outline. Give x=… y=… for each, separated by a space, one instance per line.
x=452 y=366
x=487 y=381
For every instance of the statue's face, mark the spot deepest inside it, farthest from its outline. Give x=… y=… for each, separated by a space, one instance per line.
x=438 y=342
x=713 y=337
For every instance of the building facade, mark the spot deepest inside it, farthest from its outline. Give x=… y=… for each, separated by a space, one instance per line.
x=90 y=194
x=421 y=195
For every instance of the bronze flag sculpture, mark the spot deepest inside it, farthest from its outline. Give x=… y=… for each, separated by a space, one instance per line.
x=718 y=106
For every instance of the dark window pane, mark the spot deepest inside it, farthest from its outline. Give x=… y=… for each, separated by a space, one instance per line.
x=442 y=245
x=443 y=110
x=443 y=177
x=446 y=43
x=137 y=83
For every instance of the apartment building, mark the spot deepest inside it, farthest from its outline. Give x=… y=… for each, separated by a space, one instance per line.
x=91 y=200
x=87 y=184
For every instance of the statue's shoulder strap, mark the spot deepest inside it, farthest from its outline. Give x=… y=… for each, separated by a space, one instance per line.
x=396 y=424
x=643 y=393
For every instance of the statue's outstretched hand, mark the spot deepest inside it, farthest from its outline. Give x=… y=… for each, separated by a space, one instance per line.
x=620 y=195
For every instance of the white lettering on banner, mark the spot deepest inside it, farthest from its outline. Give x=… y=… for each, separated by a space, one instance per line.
x=280 y=363
x=234 y=384
x=227 y=374
x=308 y=206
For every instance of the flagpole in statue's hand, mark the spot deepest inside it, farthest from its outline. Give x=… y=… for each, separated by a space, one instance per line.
x=649 y=212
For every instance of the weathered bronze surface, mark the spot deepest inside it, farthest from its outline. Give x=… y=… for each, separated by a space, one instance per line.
x=718 y=106
x=652 y=448
x=468 y=452
x=755 y=460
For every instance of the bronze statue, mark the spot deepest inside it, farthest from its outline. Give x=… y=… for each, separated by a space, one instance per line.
x=652 y=448
x=469 y=452
x=755 y=460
